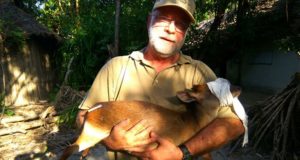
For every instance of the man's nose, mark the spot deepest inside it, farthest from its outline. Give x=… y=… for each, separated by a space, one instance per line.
x=171 y=28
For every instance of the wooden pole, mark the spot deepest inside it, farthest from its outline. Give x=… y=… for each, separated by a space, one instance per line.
x=3 y=76
x=2 y=62
x=117 y=28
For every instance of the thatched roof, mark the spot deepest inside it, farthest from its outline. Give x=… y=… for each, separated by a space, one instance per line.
x=27 y=23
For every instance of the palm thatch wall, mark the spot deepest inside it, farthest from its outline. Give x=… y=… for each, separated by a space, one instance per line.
x=26 y=73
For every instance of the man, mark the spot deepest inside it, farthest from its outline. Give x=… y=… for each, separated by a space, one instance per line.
x=155 y=74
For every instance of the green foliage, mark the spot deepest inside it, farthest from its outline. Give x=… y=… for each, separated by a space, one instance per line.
x=3 y=108
x=1 y=26
x=52 y=94
x=87 y=33
x=289 y=43
x=68 y=116
x=13 y=36
x=133 y=31
x=204 y=9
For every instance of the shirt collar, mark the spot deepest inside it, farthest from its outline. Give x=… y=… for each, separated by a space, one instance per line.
x=139 y=56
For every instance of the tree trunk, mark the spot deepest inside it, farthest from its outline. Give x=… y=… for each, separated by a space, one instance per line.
x=243 y=6
x=1 y=45
x=77 y=7
x=19 y=3
x=220 y=12
x=60 y=6
x=2 y=64
x=287 y=11
x=117 y=29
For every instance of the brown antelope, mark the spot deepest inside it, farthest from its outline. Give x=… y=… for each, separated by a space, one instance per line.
x=173 y=125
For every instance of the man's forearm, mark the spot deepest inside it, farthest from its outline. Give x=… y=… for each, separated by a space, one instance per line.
x=216 y=134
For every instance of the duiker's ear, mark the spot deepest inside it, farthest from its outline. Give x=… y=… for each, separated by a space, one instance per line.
x=235 y=90
x=184 y=96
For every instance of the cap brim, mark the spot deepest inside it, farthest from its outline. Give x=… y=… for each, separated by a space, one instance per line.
x=183 y=9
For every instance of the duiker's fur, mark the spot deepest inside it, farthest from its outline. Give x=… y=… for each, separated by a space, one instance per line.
x=176 y=126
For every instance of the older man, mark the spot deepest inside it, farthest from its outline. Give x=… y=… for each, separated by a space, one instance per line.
x=154 y=74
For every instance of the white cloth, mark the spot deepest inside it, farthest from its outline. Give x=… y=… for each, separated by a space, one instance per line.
x=221 y=89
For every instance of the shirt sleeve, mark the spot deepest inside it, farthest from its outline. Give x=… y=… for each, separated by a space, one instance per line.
x=205 y=73
x=99 y=89
x=226 y=112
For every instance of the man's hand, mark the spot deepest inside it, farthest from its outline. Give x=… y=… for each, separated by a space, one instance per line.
x=135 y=139
x=80 y=118
x=165 y=150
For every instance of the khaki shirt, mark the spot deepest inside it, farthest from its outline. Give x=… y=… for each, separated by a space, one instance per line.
x=133 y=78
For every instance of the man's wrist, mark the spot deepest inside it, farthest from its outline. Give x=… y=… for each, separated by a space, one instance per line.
x=185 y=152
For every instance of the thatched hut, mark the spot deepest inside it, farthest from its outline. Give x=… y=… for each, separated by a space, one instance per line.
x=26 y=47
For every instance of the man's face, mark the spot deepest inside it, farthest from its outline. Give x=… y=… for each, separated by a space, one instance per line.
x=167 y=30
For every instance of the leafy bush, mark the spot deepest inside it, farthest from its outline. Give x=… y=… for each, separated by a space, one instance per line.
x=5 y=109
x=68 y=116
x=13 y=37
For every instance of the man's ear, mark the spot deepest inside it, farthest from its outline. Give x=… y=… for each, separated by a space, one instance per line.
x=235 y=90
x=184 y=96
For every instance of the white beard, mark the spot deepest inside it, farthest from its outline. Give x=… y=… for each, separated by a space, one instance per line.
x=162 y=47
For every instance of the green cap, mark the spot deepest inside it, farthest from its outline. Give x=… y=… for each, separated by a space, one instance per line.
x=188 y=6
